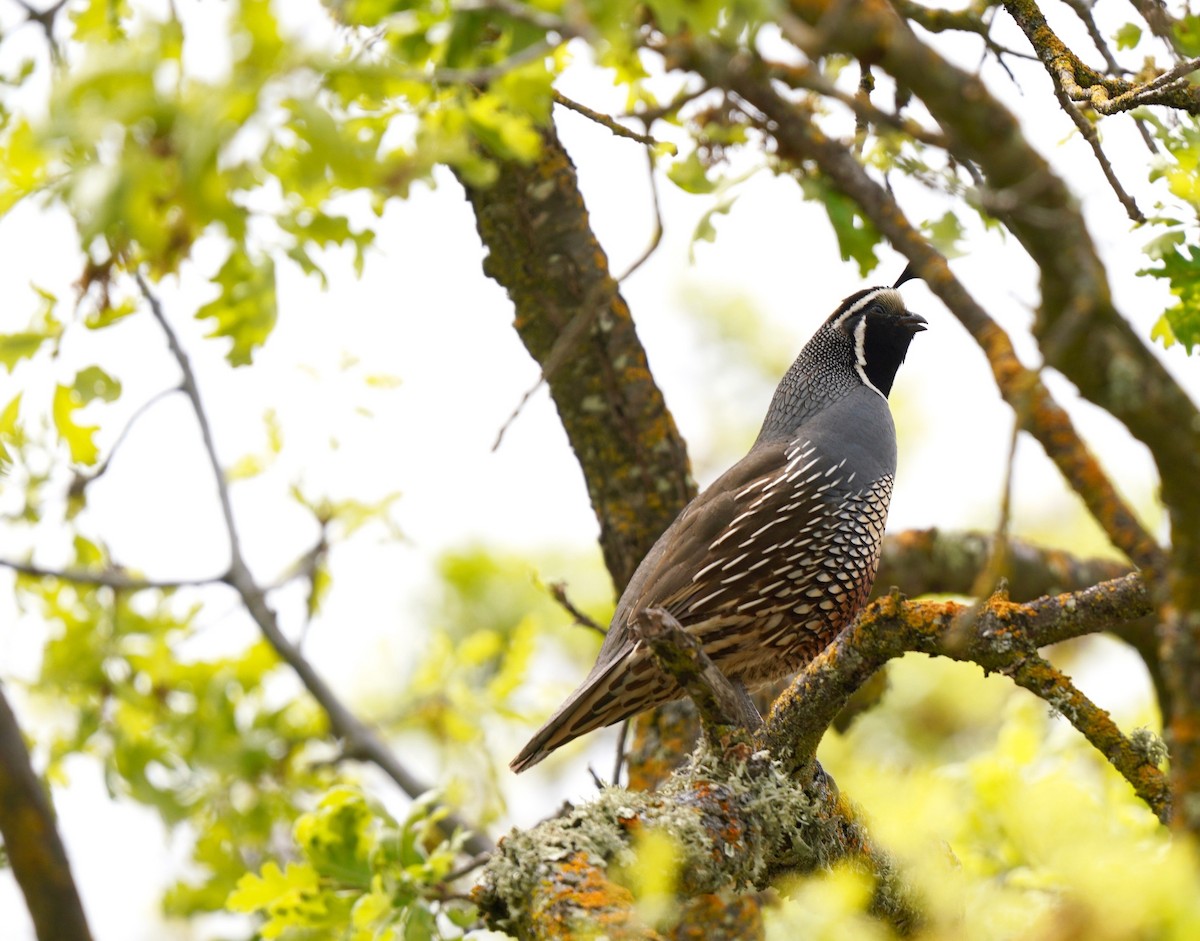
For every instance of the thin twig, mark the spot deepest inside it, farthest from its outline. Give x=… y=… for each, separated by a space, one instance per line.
x=574 y=331
x=806 y=76
x=111 y=578
x=360 y=741
x=1088 y=132
x=45 y=19
x=82 y=480
x=467 y=868
x=484 y=75
x=1083 y=10
x=520 y=11
x=657 y=235
x=604 y=120
x=619 y=760
x=558 y=591
x=998 y=562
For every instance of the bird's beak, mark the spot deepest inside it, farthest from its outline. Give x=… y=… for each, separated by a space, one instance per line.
x=915 y=322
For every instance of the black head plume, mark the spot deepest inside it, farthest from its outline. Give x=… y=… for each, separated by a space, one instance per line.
x=908 y=274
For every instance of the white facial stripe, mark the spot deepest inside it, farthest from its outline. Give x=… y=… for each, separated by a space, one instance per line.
x=860 y=304
x=860 y=356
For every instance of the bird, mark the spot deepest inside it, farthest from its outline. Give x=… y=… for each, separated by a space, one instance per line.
x=767 y=565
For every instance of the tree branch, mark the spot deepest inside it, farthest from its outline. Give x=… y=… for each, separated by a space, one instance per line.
x=1105 y=94
x=571 y=317
x=360 y=740
x=1001 y=637
x=937 y=562
x=734 y=823
x=35 y=851
x=721 y=704
x=114 y=578
x=1080 y=333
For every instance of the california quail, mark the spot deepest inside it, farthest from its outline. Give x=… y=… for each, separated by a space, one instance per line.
x=768 y=564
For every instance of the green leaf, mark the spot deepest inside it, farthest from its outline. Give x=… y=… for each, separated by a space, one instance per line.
x=44 y=327
x=110 y=313
x=1128 y=36
x=10 y=432
x=24 y=163
x=94 y=383
x=1181 y=267
x=706 y=230
x=291 y=897
x=78 y=438
x=15 y=347
x=245 y=311
x=100 y=21
x=856 y=236
x=1187 y=34
x=945 y=234
x=506 y=134
x=1162 y=332
x=690 y=175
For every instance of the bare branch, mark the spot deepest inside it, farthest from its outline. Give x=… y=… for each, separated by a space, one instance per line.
x=521 y=12
x=1083 y=10
x=933 y=561
x=1088 y=132
x=604 y=120
x=804 y=75
x=112 y=578
x=558 y=591
x=657 y=234
x=484 y=75
x=35 y=850
x=83 y=480
x=360 y=741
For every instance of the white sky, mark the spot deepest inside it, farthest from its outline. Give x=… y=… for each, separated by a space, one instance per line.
x=425 y=313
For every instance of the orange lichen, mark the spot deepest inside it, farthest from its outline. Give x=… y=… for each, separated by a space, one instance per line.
x=580 y=901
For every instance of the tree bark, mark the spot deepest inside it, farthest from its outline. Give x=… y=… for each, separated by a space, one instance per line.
x=35 y=851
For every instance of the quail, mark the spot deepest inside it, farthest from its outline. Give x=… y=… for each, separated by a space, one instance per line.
x=769 y=563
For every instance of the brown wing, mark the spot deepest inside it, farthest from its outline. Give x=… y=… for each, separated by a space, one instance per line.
x=763 y=567
x=622 y=684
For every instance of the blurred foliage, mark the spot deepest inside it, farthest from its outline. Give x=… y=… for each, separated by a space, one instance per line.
x=224 y=156
x=361 y=876
x=1008 y=822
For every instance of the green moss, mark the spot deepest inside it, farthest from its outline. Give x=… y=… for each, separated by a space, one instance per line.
x=736 y=825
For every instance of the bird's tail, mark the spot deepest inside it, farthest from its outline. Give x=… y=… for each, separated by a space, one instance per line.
x=612 y=692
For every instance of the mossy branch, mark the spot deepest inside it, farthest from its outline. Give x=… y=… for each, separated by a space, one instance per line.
x=931 y=561
x=745 y=815
x=35 y=850
x=736 y=821
x=1079 y=331
x=722 y=705
x=1105 y=94
x=571 y=317
x=1000 y=636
